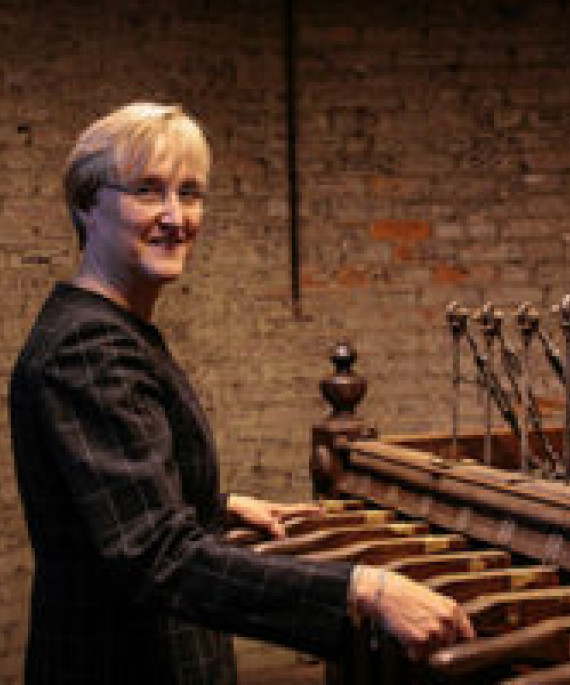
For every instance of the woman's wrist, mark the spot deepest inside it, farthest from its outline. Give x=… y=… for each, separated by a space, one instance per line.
x=229 y=497
x=232 y=508
x=352 y=596
x=366 y=589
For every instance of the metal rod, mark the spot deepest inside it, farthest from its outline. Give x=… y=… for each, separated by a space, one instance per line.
x=525 y=407
x=553 y=356
x=457 y=321
x=527 y=319
x=567 y=414
x=291 y=100
x=490 y=322
x=456 y=394
x=487 y=446
x=564 y=310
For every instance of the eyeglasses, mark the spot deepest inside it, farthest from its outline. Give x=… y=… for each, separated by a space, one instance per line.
x=154 y=192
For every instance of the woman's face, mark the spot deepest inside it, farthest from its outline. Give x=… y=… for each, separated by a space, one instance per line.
x=143 y=232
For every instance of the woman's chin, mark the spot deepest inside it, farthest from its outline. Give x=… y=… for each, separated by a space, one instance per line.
x=162 y=273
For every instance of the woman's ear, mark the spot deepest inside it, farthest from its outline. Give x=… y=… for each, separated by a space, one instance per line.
x=82 y=222
x=81 y=217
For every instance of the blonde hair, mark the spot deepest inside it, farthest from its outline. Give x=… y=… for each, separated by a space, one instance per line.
x=119 y=147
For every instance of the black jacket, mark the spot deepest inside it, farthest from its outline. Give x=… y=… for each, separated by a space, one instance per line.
x=117 y=469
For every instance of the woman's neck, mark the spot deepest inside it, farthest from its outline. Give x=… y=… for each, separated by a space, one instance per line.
x=140 y=300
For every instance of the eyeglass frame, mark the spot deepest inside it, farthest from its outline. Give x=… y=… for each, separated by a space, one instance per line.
x=159 y=196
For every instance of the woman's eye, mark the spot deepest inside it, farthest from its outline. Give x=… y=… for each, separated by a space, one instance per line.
x=190 y=192
x=146 y=189
x=151 y=191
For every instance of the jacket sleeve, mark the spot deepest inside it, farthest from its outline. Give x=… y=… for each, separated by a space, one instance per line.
x=103 y=413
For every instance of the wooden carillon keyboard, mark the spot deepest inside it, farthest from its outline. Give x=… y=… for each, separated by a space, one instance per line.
x=519 y=603
x=497 y=541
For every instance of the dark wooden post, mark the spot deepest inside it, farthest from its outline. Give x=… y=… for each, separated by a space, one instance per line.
x=343 y=391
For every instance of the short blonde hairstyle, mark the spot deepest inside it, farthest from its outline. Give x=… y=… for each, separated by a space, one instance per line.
x=119 y=147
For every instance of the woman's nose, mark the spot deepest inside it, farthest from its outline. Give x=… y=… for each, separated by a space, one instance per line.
x=172 y=209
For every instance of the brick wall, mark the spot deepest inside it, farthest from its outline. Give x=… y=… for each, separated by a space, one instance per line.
x=434 y=162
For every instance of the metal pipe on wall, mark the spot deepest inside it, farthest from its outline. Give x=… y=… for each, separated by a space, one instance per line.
x=289 y=7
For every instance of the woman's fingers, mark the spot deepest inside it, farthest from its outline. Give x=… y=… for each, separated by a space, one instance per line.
x=419 y=618
x=287 y=511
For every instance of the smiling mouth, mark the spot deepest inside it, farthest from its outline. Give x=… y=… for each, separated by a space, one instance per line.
x=169 y=242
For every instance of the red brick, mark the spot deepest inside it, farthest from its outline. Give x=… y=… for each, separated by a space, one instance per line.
x=404 y=252
x=386 y=184
x=352 y=277
x=430 y=313
x=405 y=230
x=446 y=274
x=314 y=279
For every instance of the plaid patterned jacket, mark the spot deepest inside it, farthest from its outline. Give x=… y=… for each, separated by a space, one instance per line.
x=118 y=475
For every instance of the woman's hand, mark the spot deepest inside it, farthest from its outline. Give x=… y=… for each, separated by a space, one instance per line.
x=268 y=516
x=421 y=620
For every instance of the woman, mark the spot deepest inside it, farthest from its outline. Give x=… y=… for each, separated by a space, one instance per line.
x=117 y=466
